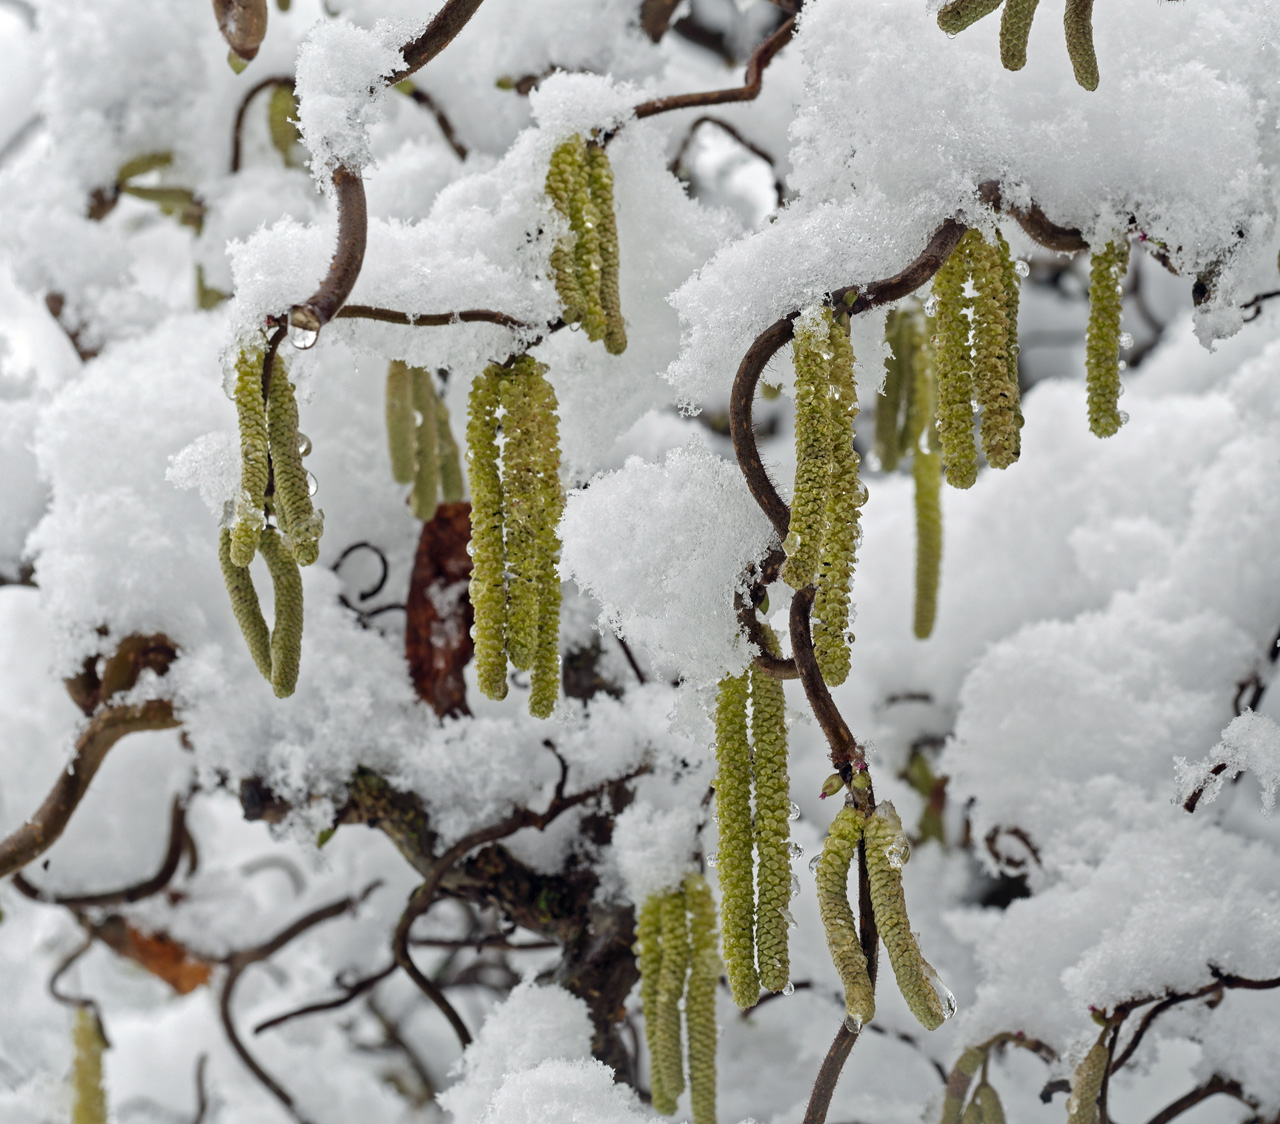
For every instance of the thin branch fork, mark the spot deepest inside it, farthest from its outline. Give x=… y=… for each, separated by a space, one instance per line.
x=709 y=119
x=1202 y=1092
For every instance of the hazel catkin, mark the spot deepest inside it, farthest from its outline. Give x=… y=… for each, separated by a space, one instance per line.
x=301 y=523
x=958 y=1082
x=255 y=463
x=733 y=808
x=648 y=949
x=88 y=1097
x=1077 y=21
x=426 y=457
x=1086 y=1083
x=601 y=183
x=1107 y=268
x=837 y=916
x=668 y=1054
x=286 y=629
x=700 y=998
x=245 y=606
x=955 y=369
x=1015 y=29
x=998 y=397
x=400 y=423
x=488 y=580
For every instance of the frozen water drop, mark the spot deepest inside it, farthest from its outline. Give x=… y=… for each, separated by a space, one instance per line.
x=813 y=863
x=795 y=850
x=313 y=485
x=712 y=858
x=852 y=1023
x=1126 y=340
x=1022 y=268
x=1124 y=418
x=303 y=338
x=719 y=1030
x=1122 y=366
x=793 y=812
x=304 y=445
x=792 y=923
x=931 y=306
x=860 y=494
x=941 y=990
x=795 y=886
x=790 y=988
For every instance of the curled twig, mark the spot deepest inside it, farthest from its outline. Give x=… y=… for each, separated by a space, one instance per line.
x=238 y=129
x=422 y=98
x=779 y=188
x=350 y=991
x=353 y=230
x=1063 y=239
x=845 y=749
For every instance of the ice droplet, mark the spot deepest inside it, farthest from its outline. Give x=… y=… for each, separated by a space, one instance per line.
x=795 y=850
x=813 y=863
x=860 y=494
x=793 y=812
x=1124 y=418
x=1122 y=366
x=789 y=989
x=931 y=306
x=313 y=485
x=792 y=923
x=719 y=1030
x=795 y=886
x=713 y=857
x=1022 y=268
x=304 y=445
x=302 y=338
x=898 y=852
x=852 y=1023
x=1126 y=340
x=941 y=990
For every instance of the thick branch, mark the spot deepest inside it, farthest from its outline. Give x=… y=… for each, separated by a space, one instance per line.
x=353 y=228
x=767 y=344
x=440 y=32
x=1063 y=239
x=42 y=830
x=908 y=280
x=844 y=746
x=431 y=319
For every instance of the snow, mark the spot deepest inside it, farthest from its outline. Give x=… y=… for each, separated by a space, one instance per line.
x=1250 y=742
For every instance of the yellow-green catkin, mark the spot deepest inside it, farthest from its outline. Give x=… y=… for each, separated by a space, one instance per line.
x=301 y=523
x=812 y=360
x=733 y=809
x=1015 y=29
x=700 y=999
x=1001 y=416
x=926 y=472
x=245 y=606
x=1107 y=268
x=955 y=368
x=958 y=1082
x=648 y=949
x=1012 y=298
x=668 y=1054
x=451 y=486
x=1086 y=1083
x=563 y=177
x=989 y=1102
x=972 y=1114
x=88 y=1097
x=887 y=851
x=845 y=495
x=282 y=113
x=601 y=180
x=889 y=403
x=544 y=683
x=488 y=583
x=520 y=516
x=837 y=916
x=953 y=18
x=584 y=220
x=772 y=831
x=286 y=630
x=426 y=467
x=254 y=460
x=400 y=421
x=1078 y=23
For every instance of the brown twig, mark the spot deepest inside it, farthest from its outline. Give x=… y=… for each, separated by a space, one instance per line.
x=707 y=119
x=391 y=1030
x=775 y=667
x=845 y=749
x=353 y=230
x=431 y=319
x=906 y=281
x=128 y=894
x=63 y=967
x=439 y=33
x=237 y=130
x=350 y=991
x=424 y=99
x=1202 y=1092
x=106 y=728
x=238 y=962
x=748 y=91
x=1063 y=239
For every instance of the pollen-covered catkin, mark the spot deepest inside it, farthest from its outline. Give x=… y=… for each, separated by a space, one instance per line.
x=245 y=606
x=1078 y=23
x=1012 y=298
x=563 y=176
x=897 y=376
x=733 y=808
x=301 y=523
x=426 y=469
x=520 y=514
x=1086 y=1083
x=1107 y=268
x=669 y=1054
x=451 y=487
x=400 y=425
x=772 y=833
x=887 y=851
x=1001 y=416
x=700 y=999
x=812 y=359
x=845 y=495
x=601 y=179
x=958 y=1081
x=1015 y=29
x=88 y=1097
x=286 y=629
x=837 y=916
x=648 y=949
x=955 y=368
x=254 y=461
x=544 y=683
x=488 y=582
x=584 y=218
x=953 y=18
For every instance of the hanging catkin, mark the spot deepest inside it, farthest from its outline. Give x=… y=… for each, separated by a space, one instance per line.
x=772 y=833
x=926 y=472
x=1015 y=29
x=1107 y=268
x=563 y=180
x=488 y=583
x=845 y=495
x=1012 y=298
x=700 y=1001
x=255 y=463
x=426 y=468
x=955 y=368
x=300 y=522
x=812 y=359
x=544 y=683
x=648 y=949
x=989 y=1102
x=733 y=808
x=953 y=18
x=400 y=423
x=520 y=515
x=958 y=1081
x=909 y=339
x=601 y=181
x=286 y=631
x=668 y=1056
x=1078 y=24
x=1086 y=1083
x=837 y=916
x=1001 y=416
x=451 y=488
x=88 y=1097
x=889 y=404
x=245 y=606
x=887 y=850
x=282 y=114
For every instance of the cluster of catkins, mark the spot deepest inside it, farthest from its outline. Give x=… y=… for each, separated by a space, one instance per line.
x=1015 y=29
x=273 y=484
x=984 y=1105
x=676 y=947
x=585 y=265
x=823 y=535
x=887 y=851
x=755 y=893
x=515 y=509
x=419 y=440
x=905 y=425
